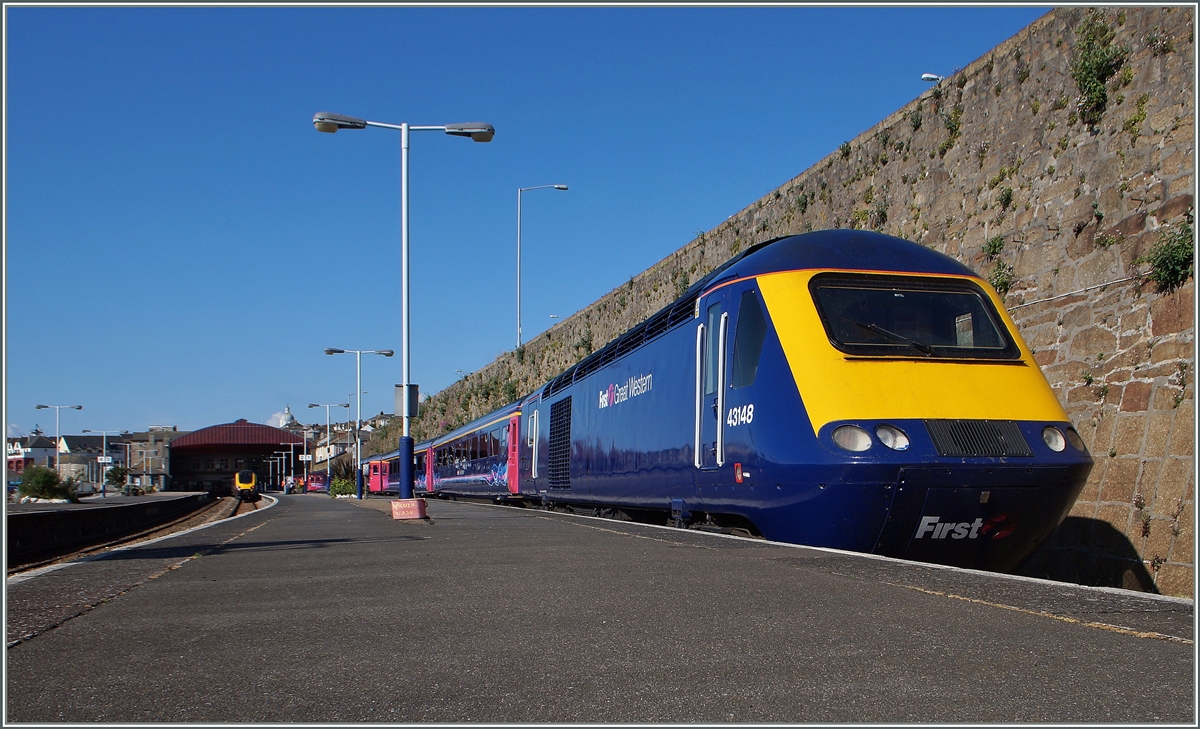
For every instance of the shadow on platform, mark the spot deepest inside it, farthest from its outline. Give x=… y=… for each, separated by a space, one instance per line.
x=1089 y=552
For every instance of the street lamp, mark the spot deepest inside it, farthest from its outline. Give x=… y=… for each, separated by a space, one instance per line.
x=932 y=77
x=281 y=457
x=477 y=131
x=57 y=437
x=358 y=353
x=104 y=449
x=328 y=438
x=519 y=191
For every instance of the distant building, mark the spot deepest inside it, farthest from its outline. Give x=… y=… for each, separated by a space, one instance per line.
x=207 y=459
x=79 y=456
x=30 y=450
x=149 y=457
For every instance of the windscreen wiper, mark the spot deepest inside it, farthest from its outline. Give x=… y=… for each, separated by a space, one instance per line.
x=876 y=329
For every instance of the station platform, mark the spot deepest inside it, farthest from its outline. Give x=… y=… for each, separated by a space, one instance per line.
x=326 y=610
x=113 y=498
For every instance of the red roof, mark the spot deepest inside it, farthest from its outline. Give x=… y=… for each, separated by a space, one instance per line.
x=240 y=432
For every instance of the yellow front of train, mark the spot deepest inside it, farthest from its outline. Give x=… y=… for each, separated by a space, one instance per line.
x=245 y=485
x=923 y=381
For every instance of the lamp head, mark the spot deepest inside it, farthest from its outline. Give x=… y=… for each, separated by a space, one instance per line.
x=335 y=351
x=930 y=77
x=478 y=131
x=560 y=187
x=329 y=122
x=41 y=407
x=386 y=352
x=313 y=405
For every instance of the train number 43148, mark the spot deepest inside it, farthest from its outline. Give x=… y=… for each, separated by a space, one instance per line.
x=740 y=415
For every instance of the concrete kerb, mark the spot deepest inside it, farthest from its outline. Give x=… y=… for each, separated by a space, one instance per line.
x=17 y=579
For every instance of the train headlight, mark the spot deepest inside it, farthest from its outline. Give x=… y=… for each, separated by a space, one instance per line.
x=852 y=438
x=1075 y=441
x=1054 y=438
x=892 y=437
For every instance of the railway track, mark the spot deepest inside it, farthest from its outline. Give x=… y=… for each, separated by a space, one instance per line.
x=221 y=508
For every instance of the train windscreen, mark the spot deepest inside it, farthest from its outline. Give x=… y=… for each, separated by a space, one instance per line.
x=910 y=317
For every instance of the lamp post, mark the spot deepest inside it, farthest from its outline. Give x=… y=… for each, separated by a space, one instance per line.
x=477 y=131
x=306 y=460
x=281 y=456
x=104 y=450
x=328 y=438
x=519 y=191
x=358 y=353
x=57 y=437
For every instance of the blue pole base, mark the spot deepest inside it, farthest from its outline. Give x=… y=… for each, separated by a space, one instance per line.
x=358 y=482
x=405 y=460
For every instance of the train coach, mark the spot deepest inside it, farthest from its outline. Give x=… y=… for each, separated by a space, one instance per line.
x=841 y=389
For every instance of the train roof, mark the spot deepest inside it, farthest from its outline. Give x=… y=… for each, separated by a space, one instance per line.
x=855 y=250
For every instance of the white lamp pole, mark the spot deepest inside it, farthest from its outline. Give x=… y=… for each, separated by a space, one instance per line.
x=519 y=191
x=358 y=353
x=104 y=449
x=477 y=131
x=328 y=438
x=57 y=437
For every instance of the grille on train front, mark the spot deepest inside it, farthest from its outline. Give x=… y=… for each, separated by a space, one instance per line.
x=977 y=438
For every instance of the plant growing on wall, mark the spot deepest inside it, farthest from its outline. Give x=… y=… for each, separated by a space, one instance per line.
x=1002 y=277
x=953 y=123
x=993 y=247
x=1171 y=259
x=1094 y=62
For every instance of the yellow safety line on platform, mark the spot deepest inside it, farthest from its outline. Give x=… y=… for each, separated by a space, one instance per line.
x=1064 y=618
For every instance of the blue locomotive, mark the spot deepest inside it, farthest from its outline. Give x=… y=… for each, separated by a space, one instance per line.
x=841 y=389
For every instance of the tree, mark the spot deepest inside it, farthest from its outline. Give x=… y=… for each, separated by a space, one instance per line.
x=116 y=476
x=43 y=483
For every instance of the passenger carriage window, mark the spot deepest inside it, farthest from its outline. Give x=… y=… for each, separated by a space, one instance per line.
x=711 y=350
x=910 y=316
x=748 y=341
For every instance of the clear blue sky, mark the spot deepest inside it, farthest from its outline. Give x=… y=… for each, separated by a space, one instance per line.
x=182 y=245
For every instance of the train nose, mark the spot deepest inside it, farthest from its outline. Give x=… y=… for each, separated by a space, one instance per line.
x=993 y=523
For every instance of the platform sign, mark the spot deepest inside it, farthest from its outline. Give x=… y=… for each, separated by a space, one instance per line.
x=304 y=457
x=103 y=459
x=408 y=509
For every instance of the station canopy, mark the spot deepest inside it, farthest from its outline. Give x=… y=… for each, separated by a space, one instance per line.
x=240 y=435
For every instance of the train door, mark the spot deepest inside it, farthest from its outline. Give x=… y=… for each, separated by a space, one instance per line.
x=712 y=335
x=430 y=461
x=374 y=473
x=512 y=447
x=530 y=442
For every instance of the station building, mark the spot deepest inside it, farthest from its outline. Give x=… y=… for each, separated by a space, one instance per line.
x=207 y=459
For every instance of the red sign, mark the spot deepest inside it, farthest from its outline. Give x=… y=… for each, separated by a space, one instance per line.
x=408 y=509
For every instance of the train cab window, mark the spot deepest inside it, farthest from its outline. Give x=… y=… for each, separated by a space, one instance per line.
x=748 y=340
x=911 y=317
x=711 y=350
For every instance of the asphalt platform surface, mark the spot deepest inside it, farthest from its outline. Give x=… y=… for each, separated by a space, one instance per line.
x=320 y=610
